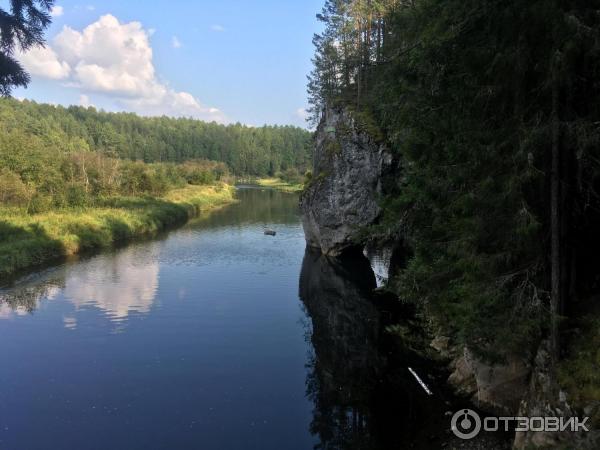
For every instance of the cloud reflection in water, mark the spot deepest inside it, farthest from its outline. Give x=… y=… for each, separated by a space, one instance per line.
x=118 y=284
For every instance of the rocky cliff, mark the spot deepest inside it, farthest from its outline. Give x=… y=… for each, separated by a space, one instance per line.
x=346 y=182
x=341 y=199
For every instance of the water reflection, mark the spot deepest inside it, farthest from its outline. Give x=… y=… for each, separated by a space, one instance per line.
x=125 y=281
x=213 y=350
x=363 y=394
x=346 y=361
x=26 y=297
x=209 y=351
x=257 y=206
x=117 y=283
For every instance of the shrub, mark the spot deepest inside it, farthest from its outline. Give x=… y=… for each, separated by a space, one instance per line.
x=76 y=196
x=39 y=203
x=12 y=189
x=292 y=176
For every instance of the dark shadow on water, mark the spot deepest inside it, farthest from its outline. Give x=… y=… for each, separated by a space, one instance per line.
x=364 y=396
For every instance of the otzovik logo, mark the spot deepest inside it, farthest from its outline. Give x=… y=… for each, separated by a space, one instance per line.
x=466 y=424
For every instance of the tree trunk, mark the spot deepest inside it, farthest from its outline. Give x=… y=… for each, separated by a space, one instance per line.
x=555 y=219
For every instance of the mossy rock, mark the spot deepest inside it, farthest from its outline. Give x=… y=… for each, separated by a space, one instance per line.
x=333 y=147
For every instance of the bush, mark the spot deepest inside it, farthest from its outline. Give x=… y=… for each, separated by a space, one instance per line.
x=12 y=189
x=39 y=203
x=76 y=196
x=200 y=177
x=292 y=176
x=308 y=177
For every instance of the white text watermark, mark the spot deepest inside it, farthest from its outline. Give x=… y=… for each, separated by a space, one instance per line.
x=466 y=424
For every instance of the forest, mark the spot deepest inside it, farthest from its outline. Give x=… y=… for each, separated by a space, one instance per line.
x=245 y=150
x=492 y=108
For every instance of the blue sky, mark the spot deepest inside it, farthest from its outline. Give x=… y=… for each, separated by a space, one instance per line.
x=230 y=61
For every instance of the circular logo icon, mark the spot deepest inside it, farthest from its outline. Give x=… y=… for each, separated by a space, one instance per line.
x=466 y=424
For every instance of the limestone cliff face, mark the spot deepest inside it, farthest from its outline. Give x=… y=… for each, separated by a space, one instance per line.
x=347 y=173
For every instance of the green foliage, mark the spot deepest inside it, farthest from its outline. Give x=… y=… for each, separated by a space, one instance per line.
x=39 y=203
x=40 y=132
x=76 y=196
x=12 y=189
x=22 y=26
x=333 y=147
x=365 y=122
x=292 y=176
x=471 y=96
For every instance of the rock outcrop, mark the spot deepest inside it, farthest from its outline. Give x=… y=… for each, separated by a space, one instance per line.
x=497 y=388
x=546 y=399
x=347 y=179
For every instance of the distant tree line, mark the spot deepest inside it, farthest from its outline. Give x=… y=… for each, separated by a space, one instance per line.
x=54 y=157
x=246 y=150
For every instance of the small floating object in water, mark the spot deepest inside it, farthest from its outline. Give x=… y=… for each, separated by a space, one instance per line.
x=423 y=385
x=269 y=232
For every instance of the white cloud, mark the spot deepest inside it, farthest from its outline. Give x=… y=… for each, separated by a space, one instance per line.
x=90 y=7
x=114 y=59
x=57 y=11
x=217 y=28
x=43 y=62
x=175 y=42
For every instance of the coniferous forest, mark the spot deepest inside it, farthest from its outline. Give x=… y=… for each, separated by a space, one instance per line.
x=492 y=109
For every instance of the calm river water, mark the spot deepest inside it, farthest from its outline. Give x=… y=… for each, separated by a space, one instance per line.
x=213 y=337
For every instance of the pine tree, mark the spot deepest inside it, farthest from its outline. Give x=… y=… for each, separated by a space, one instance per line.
x=21 y=28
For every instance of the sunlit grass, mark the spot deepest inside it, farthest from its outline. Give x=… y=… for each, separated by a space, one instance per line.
x=279 y=184
x=30 y=240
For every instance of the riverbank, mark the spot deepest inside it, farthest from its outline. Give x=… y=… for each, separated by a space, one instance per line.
x=30 y=240
x=279 y=184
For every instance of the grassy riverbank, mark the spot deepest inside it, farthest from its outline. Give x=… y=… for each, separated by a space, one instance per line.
x=30 y=240
x=279 y=184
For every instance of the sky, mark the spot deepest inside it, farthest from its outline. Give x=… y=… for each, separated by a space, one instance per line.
x=224 y=60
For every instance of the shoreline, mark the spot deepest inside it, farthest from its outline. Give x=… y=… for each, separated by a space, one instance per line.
x=272 y=183
x=31 y=241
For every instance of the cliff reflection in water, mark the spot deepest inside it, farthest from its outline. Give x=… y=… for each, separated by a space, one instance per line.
x=363 y=394
x=117 y=284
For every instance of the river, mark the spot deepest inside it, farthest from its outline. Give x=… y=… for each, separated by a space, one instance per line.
x=213 y=336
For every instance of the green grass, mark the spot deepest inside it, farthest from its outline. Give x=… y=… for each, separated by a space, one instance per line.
x=279 y=184
x=31 y=240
